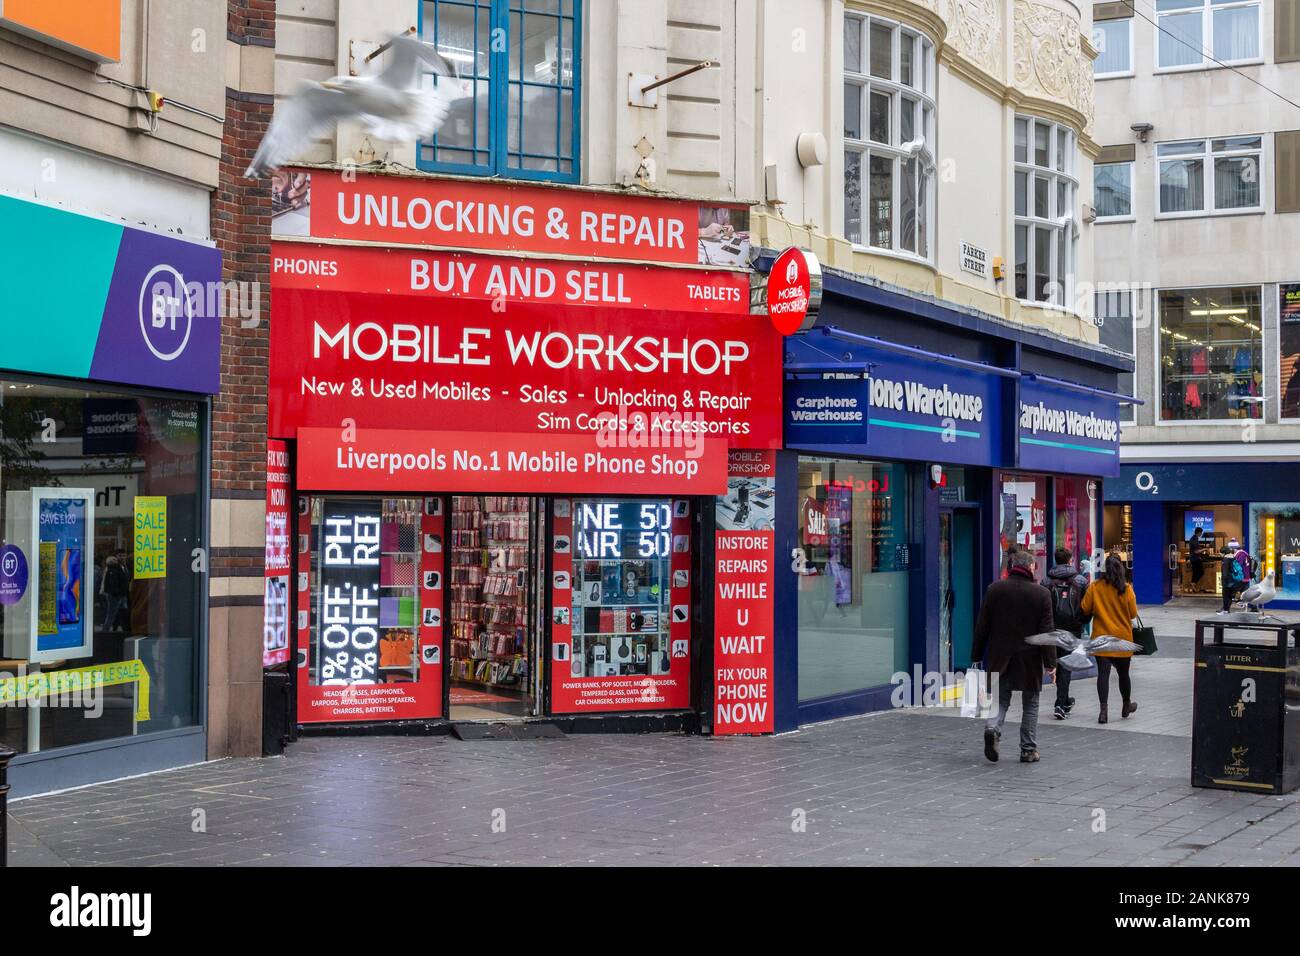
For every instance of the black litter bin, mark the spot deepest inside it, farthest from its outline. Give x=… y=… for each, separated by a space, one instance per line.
x=1246 y=705
x=276 y=729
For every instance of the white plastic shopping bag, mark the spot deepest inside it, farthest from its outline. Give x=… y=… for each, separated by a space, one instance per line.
x=974 y=694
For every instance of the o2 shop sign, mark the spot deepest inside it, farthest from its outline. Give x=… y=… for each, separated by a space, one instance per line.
x=794 y=291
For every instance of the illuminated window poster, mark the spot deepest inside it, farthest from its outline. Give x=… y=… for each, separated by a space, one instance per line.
x=621 y=614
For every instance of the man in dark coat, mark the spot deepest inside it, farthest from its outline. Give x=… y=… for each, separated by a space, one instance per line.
x=1013 y=609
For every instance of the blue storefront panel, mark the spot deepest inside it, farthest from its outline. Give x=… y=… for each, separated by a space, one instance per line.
x=1166 y=500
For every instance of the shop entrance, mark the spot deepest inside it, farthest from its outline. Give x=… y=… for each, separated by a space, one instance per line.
x=958 y=593
x=495 y=567
x=1198 y=535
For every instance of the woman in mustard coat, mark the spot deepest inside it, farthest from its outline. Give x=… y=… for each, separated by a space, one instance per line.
x=1111 y=604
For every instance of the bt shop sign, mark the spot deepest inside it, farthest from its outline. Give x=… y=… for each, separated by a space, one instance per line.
x=142 y=308
x=1063 y=429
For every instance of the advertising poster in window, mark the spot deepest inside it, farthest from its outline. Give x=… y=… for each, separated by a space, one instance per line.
x=348 y=605
x=278 y=564
x=61 y=612
x=621 y=611
x=149 y=543
x=743 y=612
x=1289 y=348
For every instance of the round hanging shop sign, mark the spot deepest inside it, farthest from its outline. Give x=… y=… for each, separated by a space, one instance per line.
x=794 y=291
x=13 y=575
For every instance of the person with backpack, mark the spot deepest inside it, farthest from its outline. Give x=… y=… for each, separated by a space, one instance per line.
x=1066 y=585
x=1235 y=573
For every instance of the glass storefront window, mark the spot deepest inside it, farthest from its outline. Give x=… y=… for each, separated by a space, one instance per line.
x=1076 y=520
x=1275 y=542
x=853 y=592
x=621 y=585
x=1289 y=349
x=1024 y=516
x=1117 y=532
x=366 y=607
x=100 y=517
x=1211 y=354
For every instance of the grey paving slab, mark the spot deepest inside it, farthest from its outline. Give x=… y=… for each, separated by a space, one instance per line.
x=905 y=787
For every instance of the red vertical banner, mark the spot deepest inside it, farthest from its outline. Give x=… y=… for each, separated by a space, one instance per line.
x=744 y=582
x=278 y=557
x=433 y=575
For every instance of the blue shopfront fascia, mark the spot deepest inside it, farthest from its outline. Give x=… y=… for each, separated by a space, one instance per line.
x=926 y=406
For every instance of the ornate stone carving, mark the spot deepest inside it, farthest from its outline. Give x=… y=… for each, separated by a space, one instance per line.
x=1049 y=57
x=975 y=31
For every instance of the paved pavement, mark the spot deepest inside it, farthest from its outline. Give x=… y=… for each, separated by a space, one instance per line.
x=902 y=787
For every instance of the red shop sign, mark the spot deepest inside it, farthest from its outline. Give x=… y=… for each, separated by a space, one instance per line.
x=297 y=265
x=409 y=210
x=488 y=462
x=794 y=291
x=654 y=378
x=743 y=612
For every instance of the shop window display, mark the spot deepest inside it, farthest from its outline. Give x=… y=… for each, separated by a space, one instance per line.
x=1289 y=349
x=1076 y=520
x=1024 y=516
x=1117 y=532
x=367 y=600
x=1275 y=542
x=621 y=604
x=1211 y=354
x=100 y=518
x=621 y=586
x=492 y=642
x=855 y=574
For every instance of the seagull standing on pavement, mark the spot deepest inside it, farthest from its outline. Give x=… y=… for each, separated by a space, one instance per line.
x=1257 y=595
x=390 y=105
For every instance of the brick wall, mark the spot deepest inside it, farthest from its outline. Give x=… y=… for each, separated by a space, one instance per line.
x=241 y=225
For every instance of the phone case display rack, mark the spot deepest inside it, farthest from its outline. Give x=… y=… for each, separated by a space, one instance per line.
x=399 y=601
x=489 y=600
x=633 y=652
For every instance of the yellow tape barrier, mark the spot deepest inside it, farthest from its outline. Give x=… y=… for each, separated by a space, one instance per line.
x=54 y=683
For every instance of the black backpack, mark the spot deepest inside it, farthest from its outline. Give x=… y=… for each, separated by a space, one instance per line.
x=1066 y=613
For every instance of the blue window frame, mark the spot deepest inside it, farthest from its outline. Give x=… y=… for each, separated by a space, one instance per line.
x=519 y=89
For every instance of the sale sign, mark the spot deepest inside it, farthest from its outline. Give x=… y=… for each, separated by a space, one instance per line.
x=641 y=377
x=150 y=540
x=743 y=612
x=275 y=607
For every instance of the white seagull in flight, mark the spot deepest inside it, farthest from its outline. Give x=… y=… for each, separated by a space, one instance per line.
x=390 y=105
